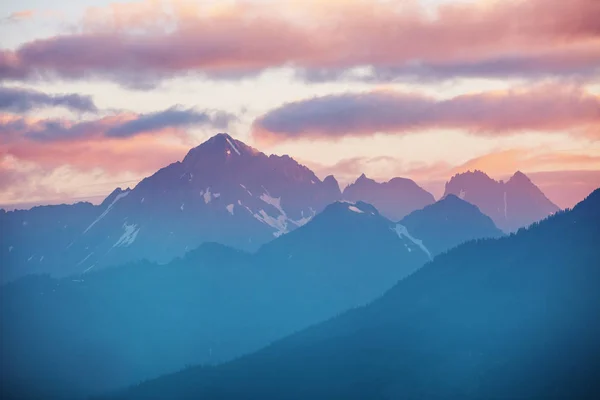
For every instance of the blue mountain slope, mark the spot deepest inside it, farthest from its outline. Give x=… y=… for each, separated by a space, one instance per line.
x=117 y=326
x=511 y=318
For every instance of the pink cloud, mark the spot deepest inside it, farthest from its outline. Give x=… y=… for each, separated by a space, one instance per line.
x=548 y=108
x=140 y=155
x=140 y=43
x=121 y=142
x=120 y=125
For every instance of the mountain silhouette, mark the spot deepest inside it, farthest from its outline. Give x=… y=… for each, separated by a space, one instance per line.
x=448 y=223
x=107 y=329
x=394 y=199
x=223 y=191
x=515 y=317
x=514 y=204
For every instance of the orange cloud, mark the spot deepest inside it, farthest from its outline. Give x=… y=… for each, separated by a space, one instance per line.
x=60 y=171
x=18 y=16
x=505 y=162
x=566 y=188
x=138 y=154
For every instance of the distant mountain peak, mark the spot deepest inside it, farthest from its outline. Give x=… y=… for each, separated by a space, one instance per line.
x=448 y=223
x=475 y=174
x=394 y=199
x=329 y=179
x=221 y=146
x=451 y=198
x=513 y=204
x=519 y=177
x=363 y=179
x=332 y=184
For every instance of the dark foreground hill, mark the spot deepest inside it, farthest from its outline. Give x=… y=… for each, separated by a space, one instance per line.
x=511 y=318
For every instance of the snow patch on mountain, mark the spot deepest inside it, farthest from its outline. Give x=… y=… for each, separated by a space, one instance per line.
x=85 y=259
x=304 y=220
x=355 y=209
x=129 y=236
x=110 y=206
x=233 y=146
x=207 y=195
x=246 y=189
x=275 y=202
x=230 y=208
x=403 y=232
x=279 y=223
x=88 y=268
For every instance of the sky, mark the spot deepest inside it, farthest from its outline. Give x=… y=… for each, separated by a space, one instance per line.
x=97 y=94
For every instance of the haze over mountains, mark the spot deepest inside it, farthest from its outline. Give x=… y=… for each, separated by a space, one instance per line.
x=516 y=317
x=227 y=192
x=142 y=320
x=215 y=257
x=442 y=243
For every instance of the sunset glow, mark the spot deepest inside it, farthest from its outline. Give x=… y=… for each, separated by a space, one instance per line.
x=108 y=92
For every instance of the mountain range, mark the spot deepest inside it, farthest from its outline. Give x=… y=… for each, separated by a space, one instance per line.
x=223 y=191
x=512 y=318
x=141 y=320
x=231 y=251
x=226 y=192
